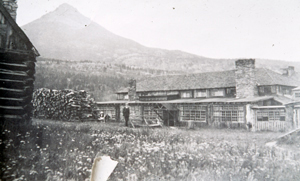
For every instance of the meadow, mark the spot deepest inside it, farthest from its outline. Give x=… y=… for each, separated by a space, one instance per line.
x=53 y=150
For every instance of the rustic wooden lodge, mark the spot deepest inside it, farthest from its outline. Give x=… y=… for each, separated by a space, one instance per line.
x=246 y=97
x=17 y=67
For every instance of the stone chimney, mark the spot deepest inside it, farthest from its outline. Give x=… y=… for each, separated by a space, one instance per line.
x=245 y=78
x=11 y=6
x=132 y=90
x=290 y=70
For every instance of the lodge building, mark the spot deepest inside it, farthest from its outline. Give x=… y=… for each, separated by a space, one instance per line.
x=246 y=97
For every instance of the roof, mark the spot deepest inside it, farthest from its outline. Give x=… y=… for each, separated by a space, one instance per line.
x=208 y=100
x=269 y=77
x=187 y=81
x=18 y=30
x=283 y=99
x=268 y=107
x=208 y=80
x=297 y=88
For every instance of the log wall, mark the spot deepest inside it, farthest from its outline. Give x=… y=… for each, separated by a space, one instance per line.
x=16 y=86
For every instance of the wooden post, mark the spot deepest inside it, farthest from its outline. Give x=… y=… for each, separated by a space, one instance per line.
x=289 y=117
x=209 y=114
x=117 y=109
x=142 y=111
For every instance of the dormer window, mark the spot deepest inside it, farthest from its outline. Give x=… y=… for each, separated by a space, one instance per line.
x=186 y=94
x=261 y=89
x=201 y=93
x=273 y=89
x=126 y=97
x=217 y=92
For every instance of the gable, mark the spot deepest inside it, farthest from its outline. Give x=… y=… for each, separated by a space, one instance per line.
x=12 y=37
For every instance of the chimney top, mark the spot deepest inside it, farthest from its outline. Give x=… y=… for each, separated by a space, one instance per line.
x=290 y=70
x=245 y=78
x=132 y=90
x=250 y=63
x=11 y=6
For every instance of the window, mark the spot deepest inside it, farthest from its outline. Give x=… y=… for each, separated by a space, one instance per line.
x=201 y=93
x=273 y=89
x=297 y=94
x=228 y=113
x=286 y=90
x=151 y=113
x=261 y=89
x=126 y=97
x=122 y=96
x=270 y=115
x=192 y=112
x=186 y=94
x=159 y=93
x=144 y=94
x=217 y=92
x=173 y=93
x=231 y=92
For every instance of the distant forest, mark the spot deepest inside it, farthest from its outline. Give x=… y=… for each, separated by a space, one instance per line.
x=101 y=80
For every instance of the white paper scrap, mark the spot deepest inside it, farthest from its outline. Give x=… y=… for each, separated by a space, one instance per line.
x=102 y=168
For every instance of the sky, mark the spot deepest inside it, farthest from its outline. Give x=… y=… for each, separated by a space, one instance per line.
x=268 y=29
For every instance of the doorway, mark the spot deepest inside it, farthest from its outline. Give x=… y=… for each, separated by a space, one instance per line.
x=170 y=117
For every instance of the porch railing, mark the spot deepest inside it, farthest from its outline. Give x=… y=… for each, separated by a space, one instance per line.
x=270 y=126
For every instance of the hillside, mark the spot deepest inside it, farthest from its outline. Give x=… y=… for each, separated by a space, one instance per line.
x=68 y=35
x=102 y=80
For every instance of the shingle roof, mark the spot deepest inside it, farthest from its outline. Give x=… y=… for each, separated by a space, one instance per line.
x=189 y=81
x=269 y=77
x=209 y=80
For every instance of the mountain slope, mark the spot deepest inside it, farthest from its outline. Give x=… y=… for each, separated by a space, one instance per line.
x=68 y=35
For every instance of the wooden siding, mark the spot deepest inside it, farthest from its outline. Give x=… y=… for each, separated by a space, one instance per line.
x=228 y=124
x=270 y=119
x=296 y=119
x=270 y=126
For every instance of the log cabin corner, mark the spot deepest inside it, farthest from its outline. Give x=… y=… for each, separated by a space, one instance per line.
x=17 y=68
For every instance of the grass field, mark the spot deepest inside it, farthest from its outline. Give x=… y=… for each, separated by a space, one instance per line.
x=52 y=150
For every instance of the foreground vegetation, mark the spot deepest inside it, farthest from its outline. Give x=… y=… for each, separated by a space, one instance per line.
x=49 y=150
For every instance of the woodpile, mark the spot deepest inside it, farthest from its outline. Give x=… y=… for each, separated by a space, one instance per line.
x=65 y=105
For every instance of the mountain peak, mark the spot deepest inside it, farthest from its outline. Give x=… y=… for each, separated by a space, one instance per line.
x=65 y=7
x=67 y=15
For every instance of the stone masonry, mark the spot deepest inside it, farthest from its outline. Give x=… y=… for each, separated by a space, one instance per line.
x=11 y=6
x=245 y=78
x=132 y=90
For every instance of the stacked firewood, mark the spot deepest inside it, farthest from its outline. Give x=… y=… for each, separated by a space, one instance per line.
x=65 y=105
